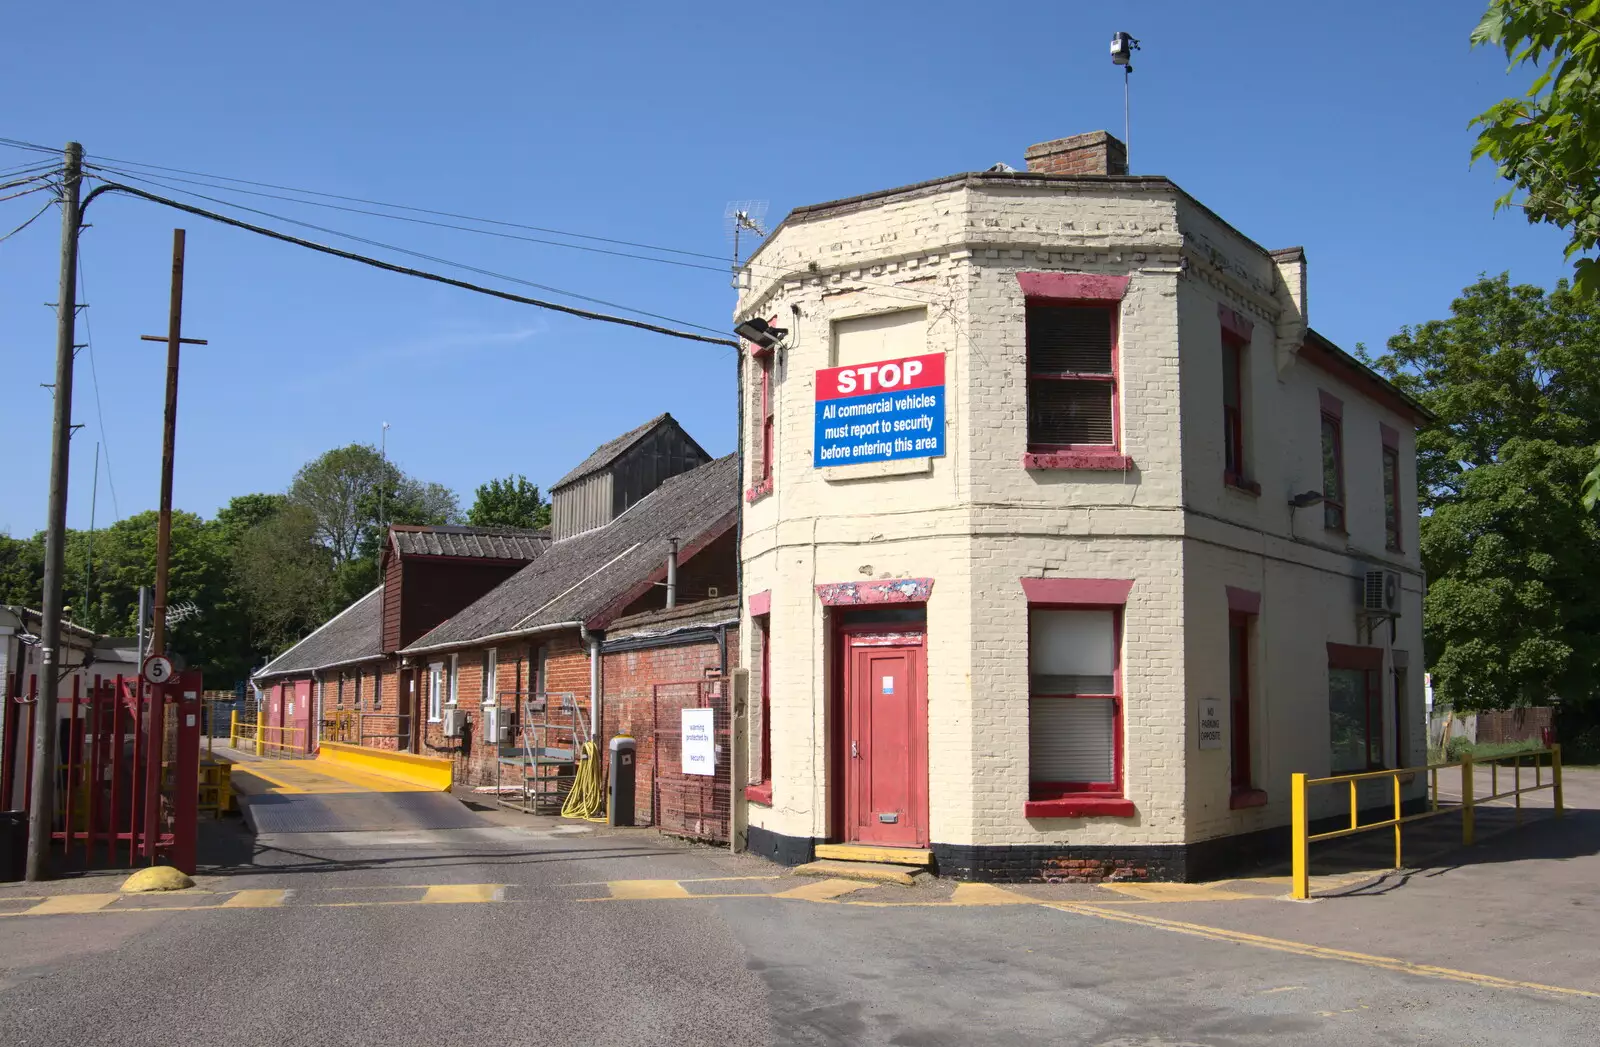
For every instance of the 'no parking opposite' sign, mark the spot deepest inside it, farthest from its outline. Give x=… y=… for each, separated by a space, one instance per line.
x=881 y=411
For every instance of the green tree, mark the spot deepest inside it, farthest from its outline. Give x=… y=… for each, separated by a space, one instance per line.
x=22 y=569
x=353 y=492
x=1513 y=377
x=1546 y=142
x=511 y=502
x=285 y=576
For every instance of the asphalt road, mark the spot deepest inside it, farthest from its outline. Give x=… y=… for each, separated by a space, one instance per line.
x=538 y=932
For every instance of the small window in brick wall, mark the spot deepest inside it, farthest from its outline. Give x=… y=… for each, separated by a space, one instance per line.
x=1072 y=376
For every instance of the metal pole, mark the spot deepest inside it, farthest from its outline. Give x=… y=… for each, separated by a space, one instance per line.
x=169 y=431
x=88 y=552
x=1127 y=129
x=144 y=618
x=41 y=812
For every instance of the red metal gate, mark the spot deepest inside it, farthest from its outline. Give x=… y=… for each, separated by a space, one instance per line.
x=693 y=805
x=127 y=773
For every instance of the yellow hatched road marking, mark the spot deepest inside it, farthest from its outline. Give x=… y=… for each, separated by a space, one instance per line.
x=985 y=894
x=823 y=890
x=459 y=893
x=647 y=889
x=1321 y=952
x=71 y=903
x=263 y=898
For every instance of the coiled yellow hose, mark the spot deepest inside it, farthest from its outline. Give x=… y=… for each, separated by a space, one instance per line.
x=587 y=798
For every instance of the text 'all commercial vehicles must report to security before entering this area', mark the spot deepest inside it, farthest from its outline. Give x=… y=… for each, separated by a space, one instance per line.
x=881 y=411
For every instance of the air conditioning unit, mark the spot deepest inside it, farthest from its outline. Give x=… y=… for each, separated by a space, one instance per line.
x=495 y=730
x=1380 y=593
x=454 y=721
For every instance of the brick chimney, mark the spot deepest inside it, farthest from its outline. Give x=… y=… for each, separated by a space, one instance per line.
x=1095 y=153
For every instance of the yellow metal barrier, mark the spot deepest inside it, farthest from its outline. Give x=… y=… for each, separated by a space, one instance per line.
x=216 y=785
x=425 y=772
x=1301 y=838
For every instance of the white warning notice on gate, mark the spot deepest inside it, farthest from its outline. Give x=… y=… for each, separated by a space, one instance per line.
x=699 y=741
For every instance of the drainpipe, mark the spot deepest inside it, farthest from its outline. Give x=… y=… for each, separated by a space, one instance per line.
x=595 y=679
x=672 y=573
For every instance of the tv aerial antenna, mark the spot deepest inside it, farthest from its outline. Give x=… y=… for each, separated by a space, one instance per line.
x=744 y=216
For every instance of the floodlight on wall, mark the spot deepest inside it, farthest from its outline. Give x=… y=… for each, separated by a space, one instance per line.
x=761 y=334
x=1305 y=499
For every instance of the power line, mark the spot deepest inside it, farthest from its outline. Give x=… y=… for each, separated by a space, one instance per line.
x=721 y=268
x=402 y=218
x=35 y=146
x=105 y=437
x=29 y=222
x=377 y=263
x=426 y=257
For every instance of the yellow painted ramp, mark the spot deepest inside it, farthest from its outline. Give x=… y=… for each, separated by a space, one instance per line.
x=305 y=796
x=420 y=772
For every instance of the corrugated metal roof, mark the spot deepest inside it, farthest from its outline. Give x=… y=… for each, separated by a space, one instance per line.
x=490 y=543
x=613 y=449
x=581 y=577
x=352 y=635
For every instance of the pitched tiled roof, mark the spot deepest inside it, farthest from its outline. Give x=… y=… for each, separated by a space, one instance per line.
x=582 y=578
x=492 y=543
x=352 y=635
x=613 y=449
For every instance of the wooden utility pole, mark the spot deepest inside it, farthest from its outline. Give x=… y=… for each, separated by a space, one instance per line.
x=169 y=432
x=41 y=812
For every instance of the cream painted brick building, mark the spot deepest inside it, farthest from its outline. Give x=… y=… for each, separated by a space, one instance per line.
x=1002 y=653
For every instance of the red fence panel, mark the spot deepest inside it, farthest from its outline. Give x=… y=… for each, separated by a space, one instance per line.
x=697 y=806
x=127 y=770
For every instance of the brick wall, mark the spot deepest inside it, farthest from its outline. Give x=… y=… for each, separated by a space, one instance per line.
x=976 y=520
x=629 y=680
x=475 y=759
x=1094 y=153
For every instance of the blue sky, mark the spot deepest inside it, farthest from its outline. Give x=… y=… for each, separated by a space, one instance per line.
x=1339 y=127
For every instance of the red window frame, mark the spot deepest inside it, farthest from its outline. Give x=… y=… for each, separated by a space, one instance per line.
x=1240 y=749
x=761 y=792
x=1044 y=791
x=766 y=419
x=1369 y=662
x=1332 y=426
x=1390 y=467
x=1233 y=463
x=1114 y=309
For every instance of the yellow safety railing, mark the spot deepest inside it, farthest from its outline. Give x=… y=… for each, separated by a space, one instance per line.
x=265 y=736
x=342 y=725
x=1299 y=819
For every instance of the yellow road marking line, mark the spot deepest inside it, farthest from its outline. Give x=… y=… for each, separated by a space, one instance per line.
x=1320 y=952
x=1281 y=988
x=71 y=903
x=639 y=890
x=1178 y=892
x=823 y=890
x=686 y=879
x=261 y=898
x=457 y=893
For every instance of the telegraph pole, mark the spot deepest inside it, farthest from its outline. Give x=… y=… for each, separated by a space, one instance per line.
x=41 y=813
x=169 y=433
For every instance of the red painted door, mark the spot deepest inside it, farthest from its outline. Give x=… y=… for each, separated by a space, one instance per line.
x=300 y=736
x=886 y=723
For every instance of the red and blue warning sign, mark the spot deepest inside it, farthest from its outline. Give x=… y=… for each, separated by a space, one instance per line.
x=878 y=412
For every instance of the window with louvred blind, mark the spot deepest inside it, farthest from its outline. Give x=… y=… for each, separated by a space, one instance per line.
x=1072 y=376
x=1074 y=702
